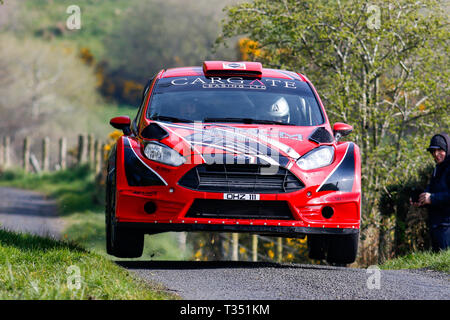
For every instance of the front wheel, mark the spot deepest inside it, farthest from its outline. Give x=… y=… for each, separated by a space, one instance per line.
x=120 y=242
x=125 y=243
x=317 y=246
x=342 y=249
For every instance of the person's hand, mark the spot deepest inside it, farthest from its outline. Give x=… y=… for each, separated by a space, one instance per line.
x=424 y=198
x=415 y=204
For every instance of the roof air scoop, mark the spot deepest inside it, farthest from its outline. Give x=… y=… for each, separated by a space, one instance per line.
x=225 y=68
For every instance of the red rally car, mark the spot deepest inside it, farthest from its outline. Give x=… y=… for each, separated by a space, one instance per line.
x=234 y=147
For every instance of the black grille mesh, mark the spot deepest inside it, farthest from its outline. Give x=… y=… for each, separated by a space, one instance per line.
x=244 y=178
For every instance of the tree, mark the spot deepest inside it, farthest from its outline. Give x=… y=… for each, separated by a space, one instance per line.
x=154 y=35
x=382 y=67
x=45 y=91
x=157 y=34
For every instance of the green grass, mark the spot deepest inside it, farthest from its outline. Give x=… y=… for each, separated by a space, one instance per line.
x=421 y=260
x=88 y=230
x=38 y=268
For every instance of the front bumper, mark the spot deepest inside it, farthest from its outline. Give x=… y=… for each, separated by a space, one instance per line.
x=302 y=209
x=173 y=204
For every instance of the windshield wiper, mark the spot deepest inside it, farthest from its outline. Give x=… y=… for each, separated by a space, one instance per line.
x=169 y=118
x=245 y=120
x=272 y=122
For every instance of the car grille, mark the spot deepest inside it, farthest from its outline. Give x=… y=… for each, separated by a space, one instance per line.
x=239 y=209
x=243 y=178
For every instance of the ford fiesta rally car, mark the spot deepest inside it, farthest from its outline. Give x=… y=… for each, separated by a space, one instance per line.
x=233 y=147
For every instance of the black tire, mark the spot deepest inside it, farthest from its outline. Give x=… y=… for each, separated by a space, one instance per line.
x=120 y=242
x=317 y=246
x=342 y=249
x=108 y=208
x=126 y=243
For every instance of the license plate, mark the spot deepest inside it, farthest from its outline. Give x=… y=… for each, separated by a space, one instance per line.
x=240 y=196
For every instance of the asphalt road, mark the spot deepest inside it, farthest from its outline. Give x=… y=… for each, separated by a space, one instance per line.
x=28 y=211
x=272 y=281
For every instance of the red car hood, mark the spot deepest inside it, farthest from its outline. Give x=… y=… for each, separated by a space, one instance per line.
x=245 y=140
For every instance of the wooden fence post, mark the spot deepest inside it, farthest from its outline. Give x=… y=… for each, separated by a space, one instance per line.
x=254 y=247
x=90 y=150
x=81 y=149
x=62 y=153
x=6 y=151
x=26 y=154
x=235 y=249
x=1 y=153
x=35 y=163
x=98 y=159
x=46 y=154
x=279 y=249
x=104 y=154
x=182 y=236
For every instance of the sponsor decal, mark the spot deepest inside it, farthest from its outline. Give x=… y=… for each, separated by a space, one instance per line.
x=284 y=135
x=236 y=145
x=232 y=83
x=233 y=86
x=146 y=193
x=234 y=66
x=159 y=168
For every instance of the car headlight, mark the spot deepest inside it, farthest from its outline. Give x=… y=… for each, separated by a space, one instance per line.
x=162 y=153
x=317 y=158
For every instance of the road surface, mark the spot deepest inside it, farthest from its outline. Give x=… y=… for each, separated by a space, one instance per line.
x=29 y=211
x=229 y=280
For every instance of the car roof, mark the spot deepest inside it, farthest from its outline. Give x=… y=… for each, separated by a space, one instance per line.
x=266 y=73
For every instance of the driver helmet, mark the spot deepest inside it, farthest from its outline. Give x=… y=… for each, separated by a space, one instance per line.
x=279 y=110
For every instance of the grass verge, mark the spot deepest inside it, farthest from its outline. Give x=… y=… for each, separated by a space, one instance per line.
x=36 y=268
x=88 y=229
x=32 y=267
x=74 y=190
x=421 y=260
x=81 y=203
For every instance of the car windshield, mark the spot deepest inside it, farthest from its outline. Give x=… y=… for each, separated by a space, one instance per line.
x=234 y=99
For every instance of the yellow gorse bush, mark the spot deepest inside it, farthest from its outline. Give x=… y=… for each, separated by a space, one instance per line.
x=248 y=49
x=112 y=138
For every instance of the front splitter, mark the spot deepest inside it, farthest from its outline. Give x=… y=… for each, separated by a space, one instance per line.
x=280 y=231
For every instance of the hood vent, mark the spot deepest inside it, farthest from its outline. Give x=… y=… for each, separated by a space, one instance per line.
x=321 y=135
x=154 y=131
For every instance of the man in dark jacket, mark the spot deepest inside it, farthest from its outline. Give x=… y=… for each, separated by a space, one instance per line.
x=437 y=194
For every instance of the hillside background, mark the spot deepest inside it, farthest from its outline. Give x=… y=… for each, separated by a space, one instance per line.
x=56 y=82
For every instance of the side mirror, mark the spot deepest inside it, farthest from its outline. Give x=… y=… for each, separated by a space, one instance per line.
x=121 y=123
x=341 y=129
